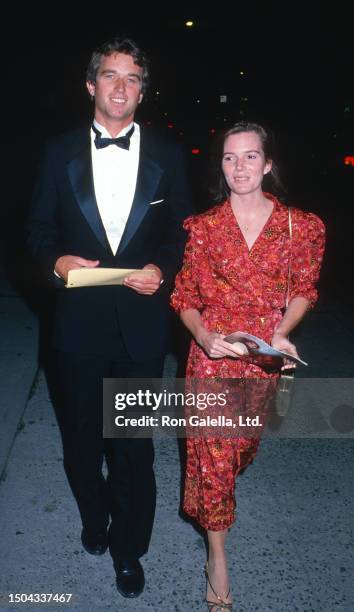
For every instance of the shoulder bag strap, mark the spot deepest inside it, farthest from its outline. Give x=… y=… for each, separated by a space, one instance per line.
x=290 y=258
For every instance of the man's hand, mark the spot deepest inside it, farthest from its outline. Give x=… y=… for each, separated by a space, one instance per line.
x=72 y=262
x=145 y=284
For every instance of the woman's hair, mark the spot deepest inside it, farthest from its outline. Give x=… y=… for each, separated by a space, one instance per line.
x=219 y=188
x=119 y=45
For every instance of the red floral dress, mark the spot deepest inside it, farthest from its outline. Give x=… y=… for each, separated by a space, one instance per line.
x=237 y=288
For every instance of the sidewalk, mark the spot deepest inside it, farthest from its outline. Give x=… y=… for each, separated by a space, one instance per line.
x=18 y=363
x=289 y=549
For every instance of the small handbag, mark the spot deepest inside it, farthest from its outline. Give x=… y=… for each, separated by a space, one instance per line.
x=284 y=393
x=285 y=386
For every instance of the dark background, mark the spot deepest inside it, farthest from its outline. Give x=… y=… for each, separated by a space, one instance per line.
x=298 y=78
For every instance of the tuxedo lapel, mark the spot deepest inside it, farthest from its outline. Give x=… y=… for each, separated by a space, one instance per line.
x=149 y=174
x=81 y=178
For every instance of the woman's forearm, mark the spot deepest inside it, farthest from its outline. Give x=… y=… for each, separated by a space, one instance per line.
x=193 y=322
x=293 y=315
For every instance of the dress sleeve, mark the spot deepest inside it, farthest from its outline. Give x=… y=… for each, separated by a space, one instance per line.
x=307 y=254
x=186 y=292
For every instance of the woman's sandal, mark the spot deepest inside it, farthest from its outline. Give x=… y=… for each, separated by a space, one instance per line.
x=221 y=606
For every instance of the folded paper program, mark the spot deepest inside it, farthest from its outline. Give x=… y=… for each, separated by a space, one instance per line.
x=257 y=346
x=91 y=277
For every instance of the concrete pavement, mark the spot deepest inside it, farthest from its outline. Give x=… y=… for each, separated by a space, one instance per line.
x=289 y=549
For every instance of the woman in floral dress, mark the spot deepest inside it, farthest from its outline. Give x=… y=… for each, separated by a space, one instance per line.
x=235 y=277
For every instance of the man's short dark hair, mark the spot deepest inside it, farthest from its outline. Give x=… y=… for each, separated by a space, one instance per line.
x=119 y=45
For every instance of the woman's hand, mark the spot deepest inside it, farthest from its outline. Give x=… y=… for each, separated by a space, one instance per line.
x=282 y=343
x=215 y=346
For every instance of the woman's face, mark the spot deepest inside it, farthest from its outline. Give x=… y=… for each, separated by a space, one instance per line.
x=243 y=163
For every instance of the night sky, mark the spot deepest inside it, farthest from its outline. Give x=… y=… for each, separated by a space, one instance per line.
x=297 y=62
x=298 y=78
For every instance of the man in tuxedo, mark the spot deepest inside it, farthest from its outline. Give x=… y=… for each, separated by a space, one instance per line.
x=111 y=195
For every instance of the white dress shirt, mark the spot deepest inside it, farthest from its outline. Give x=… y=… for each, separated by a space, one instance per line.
x=114 y=175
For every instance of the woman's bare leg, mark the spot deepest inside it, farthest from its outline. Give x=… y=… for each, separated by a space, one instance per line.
x=217 y=567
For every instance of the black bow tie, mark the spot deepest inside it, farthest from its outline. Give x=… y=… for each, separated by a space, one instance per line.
x=123 y=141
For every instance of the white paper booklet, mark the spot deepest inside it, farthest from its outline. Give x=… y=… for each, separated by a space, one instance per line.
x=257 y=346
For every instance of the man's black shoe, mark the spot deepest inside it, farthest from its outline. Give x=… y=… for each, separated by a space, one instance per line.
x=130 y=577
x=94 y=543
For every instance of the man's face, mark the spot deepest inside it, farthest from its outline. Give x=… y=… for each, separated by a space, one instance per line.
x=117 y=90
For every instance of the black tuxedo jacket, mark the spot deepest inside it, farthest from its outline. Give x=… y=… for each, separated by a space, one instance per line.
x=64 y=220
